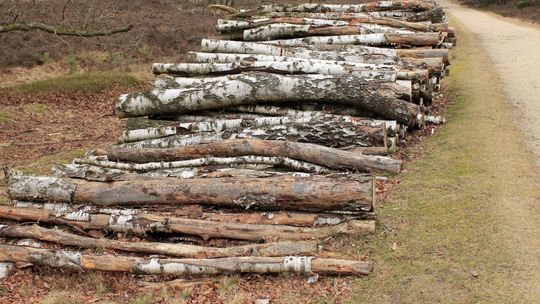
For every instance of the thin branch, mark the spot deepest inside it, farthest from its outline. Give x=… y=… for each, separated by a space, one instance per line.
x=23 y=26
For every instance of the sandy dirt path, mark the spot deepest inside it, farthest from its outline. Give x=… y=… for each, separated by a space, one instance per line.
x=514 y=48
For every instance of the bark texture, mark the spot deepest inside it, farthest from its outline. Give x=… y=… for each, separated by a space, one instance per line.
x=315 y=154
x=313 y=193
x=141 y=223
x=74 y=261
x=167 y=249
x=381 y=98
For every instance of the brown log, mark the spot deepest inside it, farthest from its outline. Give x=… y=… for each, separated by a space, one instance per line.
x=421 y=53
x=74 y=261
x=311 y=193
x=151 y=222
x=178 y=250
x=328 y=157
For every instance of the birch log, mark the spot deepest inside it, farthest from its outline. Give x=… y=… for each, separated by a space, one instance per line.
x=326 y=133
x=381 y=98
x=313 y=193
x=435 y=15
x=225 y=25
x=74 y=261
x=379 y=39
x=303 y=219
x=288 y=31
x=340 y=8
x=143 y=223
x=207 y=161
x=218 y=125
x=381 y=72
x=177 y=250
x=315 y=154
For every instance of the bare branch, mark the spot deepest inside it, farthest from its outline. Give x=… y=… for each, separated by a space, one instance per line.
x=28 y=26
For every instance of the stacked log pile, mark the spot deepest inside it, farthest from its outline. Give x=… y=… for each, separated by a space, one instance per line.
x=269 y=139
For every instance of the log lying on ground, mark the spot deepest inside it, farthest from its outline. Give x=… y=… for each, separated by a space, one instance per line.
x=74 y=261
x=386 y=73
x=178 y=250
x=218 y=125
x=235 y=63
x=315 y=154
x=225 y=25
x=381 y=98
x=312 y=193
x=380 y=39
x=207 y=161
x=289 y=31
x=264 y=218
x=327 y=134
x=151 y=222
x=435 y=15
x=417 y=6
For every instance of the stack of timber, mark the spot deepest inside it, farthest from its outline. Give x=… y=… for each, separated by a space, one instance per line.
x=245 y=158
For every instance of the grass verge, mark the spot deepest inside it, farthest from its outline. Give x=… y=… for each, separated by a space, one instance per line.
x=462 y=220
x=84 y=82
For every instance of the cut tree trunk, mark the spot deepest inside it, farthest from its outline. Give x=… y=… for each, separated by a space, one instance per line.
x=312 y=193
x=315 y=154
x=146 y=222
x=417 y=6
x=324 y=133
x=243 y=62
x=207 y=161
x=381 y=98
x=218 y=125
x=177 y=250
x=288 y=31
x=386 y=73
x=74 y=261
x=380 y=39
x=196 y=212
x=225 y=25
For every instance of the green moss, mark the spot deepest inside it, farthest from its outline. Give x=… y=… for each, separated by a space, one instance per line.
x=86 y=82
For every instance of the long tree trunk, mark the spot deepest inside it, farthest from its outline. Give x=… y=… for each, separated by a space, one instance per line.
x=218 y=125
x=418 y=6
x=178 y=250
x=196 y=212
x=74 y=261
x=151 y=222
x=380 y=39
x=386 y=73
x=225 y=25
x=228 y=46
x=315 y=154
x=381 y=98
x=207 y=161
x=245 y=62
x=312 y=193
x=288 y=31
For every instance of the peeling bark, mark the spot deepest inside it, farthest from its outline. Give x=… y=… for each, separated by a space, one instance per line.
x=141 y=223
x=381 y=98
x=379 y=39
x=208 y=161
x=315 y=154
x=218 y=125
x=313 y=193
x=178 y=250
x=379 y=72
x=74 y=261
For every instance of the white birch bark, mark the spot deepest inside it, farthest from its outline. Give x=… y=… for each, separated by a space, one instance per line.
x=381 y=72
x=209 y=161
x=250 y=88
x=226 y=25
x=346 y=8
x=379 y=39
